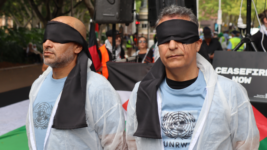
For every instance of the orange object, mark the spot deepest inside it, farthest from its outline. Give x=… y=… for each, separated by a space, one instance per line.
x=105 y=59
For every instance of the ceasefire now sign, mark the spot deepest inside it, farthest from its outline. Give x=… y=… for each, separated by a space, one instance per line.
x=241 y=75
x=246 y=68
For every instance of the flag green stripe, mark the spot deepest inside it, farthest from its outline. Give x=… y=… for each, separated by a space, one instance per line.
x=263 y=144
x=17 y=139
x=14 y=140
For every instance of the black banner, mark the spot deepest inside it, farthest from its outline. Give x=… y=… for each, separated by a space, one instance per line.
x=14 y=96
x=248 y=69
x=123 y=76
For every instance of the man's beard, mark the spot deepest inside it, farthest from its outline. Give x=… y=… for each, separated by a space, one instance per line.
x=60 y=61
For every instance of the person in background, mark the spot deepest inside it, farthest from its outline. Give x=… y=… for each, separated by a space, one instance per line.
x=201 y=36
x=150 y=58
x=142 y=50
x=222 y=40
x=129 y=45
x=119 y=46
x=155 y=43
x=107 y=53
x=34 y=53
x=260 y=38
x=135 y=39
x=209 y=45
x=234 y=41
x=226 y=36
x=34 y=47
x=108 y=45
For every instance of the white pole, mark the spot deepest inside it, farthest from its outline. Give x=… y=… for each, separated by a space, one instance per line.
x=197 y=9
x=219 y=21
x=133 y=23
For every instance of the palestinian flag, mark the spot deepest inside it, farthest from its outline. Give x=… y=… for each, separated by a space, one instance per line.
x=93 y=48
x=13 y=109
x=260 y=113
x=123 y=77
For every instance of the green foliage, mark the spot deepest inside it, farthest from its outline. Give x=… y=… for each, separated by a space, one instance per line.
x=18 y=10
x=13 y=43
x=23 y=13
x=230 y=8
x=138 y=5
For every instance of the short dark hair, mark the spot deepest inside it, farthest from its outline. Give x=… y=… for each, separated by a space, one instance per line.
x=207 y=32
x=263 y=15
x=175 y=10
x=109 y=33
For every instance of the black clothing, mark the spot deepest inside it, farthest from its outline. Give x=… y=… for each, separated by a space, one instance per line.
x=146 y=103
x=141 y=57
x=180 y=85
x=149 y=57
x=109 y=33
x=207 y=32
x=214 y=45
x=210 y=49
x=203 y=52
x=121 y=54
x=257 y=41
x=109 y=55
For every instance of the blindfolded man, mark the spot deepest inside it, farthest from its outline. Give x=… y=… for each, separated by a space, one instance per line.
x=182 y=103
x=72 y=107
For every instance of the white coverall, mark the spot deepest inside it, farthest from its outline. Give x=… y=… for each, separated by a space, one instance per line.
x=226 y=120
x=104 y=117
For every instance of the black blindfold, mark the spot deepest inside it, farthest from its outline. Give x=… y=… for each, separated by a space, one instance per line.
x=63 y=33
x=70 y=113
x=178 y=30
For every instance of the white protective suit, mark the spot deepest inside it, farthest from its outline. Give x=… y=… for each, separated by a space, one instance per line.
x=104 y=117
x=226 y=121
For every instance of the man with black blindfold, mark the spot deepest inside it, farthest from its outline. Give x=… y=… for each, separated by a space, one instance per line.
x=182 y=103
x=72 y=107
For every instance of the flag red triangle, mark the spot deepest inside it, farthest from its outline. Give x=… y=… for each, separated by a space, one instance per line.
x=93 y=48
x=95 y=57
x=124 y=105
x=261 y=122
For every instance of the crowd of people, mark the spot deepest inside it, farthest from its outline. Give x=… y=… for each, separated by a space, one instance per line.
x=228 y=40
x=180 y=104
x=136 y=48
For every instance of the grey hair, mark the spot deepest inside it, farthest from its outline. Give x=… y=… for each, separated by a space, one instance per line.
x=175 y=10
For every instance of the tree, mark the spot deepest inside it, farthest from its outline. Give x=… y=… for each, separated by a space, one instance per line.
x=2 y=2
x=18 y=11
x=90 y=7
x=51 y=9
x=230 y=10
